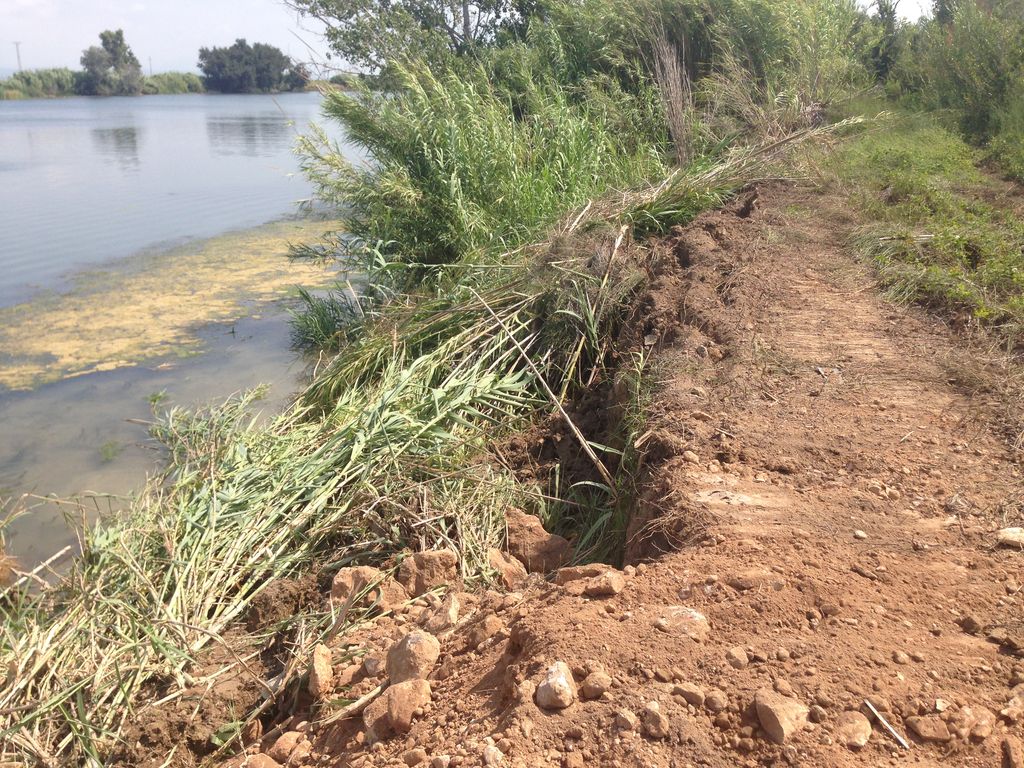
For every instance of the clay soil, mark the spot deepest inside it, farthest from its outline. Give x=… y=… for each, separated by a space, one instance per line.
x=847 y=484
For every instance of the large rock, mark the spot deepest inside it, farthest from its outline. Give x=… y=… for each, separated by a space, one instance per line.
x=393 y=712
x=534 y=547
x=511 y=572
x=1013 y=752
x=412 y=657
x=379 y=589
x=558 y=689
x=780 y=716
x=425 y=570
x=852 y=729
x=1011 y=537
x=321 y=673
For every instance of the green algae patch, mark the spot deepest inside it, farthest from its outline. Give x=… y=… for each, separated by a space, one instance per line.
x=151 y=306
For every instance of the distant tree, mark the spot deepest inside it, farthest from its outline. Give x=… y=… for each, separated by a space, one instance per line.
x=369 y=33
x=109 y=69
x=244 y=68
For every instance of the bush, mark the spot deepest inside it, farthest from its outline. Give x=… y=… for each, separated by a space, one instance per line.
x=38 y=84
x=173 y=82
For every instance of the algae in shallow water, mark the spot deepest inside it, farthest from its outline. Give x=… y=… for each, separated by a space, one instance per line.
x=151 y=306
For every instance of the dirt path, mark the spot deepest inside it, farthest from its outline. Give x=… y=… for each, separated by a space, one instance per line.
x=818 y=530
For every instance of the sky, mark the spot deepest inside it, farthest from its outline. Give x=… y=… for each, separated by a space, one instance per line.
x=53 y=33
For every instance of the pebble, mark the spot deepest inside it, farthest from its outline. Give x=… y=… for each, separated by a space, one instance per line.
x=492 y=755
x=780 y=716
x=595 y=685
x=412 y=657
x=928 y=728
x=716 y=701
x=655 y=722
x=625 y=720
x=737 y=658
x=415 y=756
x=690 y=693
x=859 y=534
x=607 y=584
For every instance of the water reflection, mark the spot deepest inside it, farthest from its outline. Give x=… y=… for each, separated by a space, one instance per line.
x=261 y=135
x=119 y=144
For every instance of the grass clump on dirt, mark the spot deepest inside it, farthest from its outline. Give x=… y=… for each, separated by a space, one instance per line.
x=944 y=233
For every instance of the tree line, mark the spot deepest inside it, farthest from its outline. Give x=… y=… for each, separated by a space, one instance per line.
x=112 y=69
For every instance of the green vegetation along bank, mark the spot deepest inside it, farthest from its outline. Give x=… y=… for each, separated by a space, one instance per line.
x=518 y=181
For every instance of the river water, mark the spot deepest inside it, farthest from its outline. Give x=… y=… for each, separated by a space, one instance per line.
x=122 y=221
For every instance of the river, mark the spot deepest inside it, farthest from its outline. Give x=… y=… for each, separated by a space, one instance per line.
x=142 y=258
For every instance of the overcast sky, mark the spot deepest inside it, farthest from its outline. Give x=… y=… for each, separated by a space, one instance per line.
x=170 y=32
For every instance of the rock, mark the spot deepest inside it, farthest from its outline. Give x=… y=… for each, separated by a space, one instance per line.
x=572 y=573
x=1010 y=537
x=405 y=701
x=817 y=714
x=716 y=701
x=415 y=757
x=859 y=534
x=492 y=755
x=681 y=620
x=299 y=754
x=484 y=630
x=752 y=578
x=511 y=572
x=379 y=589
x=690 y=693
x=445 y=616
x=573 y=760
x=534 y=547
x=654 y=721
x=780 y=716
x=425 y=570
x=412 y=657
x=984 y=723
x=441 y=761
x=595 y=685
x=900 y=657
x=970 y=624
x=690 y=457
x=928 y=728
x=321 y=673
x=285 y=745
x=852 y=729
x=626 y=720
x=607 y=584
x=1013 y=752
x=737 y=658
x=558 y=689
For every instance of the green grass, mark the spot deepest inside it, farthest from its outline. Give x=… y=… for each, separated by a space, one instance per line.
x=939 y=234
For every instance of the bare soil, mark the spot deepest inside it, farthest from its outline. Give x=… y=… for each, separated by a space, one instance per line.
x=819 y=484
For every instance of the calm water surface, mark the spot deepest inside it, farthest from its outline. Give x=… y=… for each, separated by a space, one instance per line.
x=87 y=180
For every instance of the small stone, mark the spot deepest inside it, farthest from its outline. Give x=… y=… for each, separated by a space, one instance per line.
x=859 y=534
x=737 y=658
x=415 y=757
x=285 y=745
x=607 y=584
x=321 y=673
x=558 y=689
x=900 y=657
x=573 y=760
x=716 y=701
x=970 y=624
x=655 y=722
x=413 y=657
x=626 y=720
x=852 y=729
x=780 y=716
x=817 y=714
x=492 y=756
x=441 y=761
x=690 y=693
x=350 y=583
x=445 y=616
x=595 y=685
x=511 y=572
x=690 y=457
x=425 y=570
x=928 y=728
x=257 y=760
x=573 y=573
x=1011 y=537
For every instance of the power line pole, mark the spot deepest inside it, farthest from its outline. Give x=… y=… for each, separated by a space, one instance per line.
x=150 y=66
x=17 y=50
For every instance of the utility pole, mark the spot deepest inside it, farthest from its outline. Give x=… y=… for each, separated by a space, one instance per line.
x=150 y=66
x=17 y=50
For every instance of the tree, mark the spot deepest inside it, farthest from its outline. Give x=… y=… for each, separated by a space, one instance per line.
x=244 y=68
x=370 y=33
x=109 y=69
